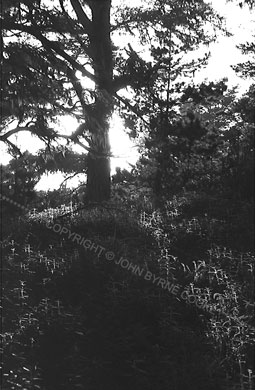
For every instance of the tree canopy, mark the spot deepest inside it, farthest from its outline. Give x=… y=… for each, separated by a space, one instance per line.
x=63 y=57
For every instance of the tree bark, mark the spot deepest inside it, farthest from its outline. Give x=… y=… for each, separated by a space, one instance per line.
x=98 y=170
x=98 y=173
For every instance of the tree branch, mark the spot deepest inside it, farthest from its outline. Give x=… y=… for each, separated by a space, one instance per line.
x=76 y=141
x=69 y=20
x=70 y=177
x=14 y=147
x=120 y=82
x=5 y=136
x=53 y=46
x=131 y=108
x=78 y=89
x=81 y=16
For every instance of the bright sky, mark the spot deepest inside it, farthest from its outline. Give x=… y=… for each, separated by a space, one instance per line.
x=224 y=53
x=241 y=22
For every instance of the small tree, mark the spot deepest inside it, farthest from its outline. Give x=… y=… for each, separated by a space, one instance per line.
x=208 y=146
x=18 y=179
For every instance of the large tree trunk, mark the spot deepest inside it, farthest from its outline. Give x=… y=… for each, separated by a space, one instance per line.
x=98 y=174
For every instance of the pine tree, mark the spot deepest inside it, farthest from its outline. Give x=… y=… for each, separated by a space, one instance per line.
x=47 y=45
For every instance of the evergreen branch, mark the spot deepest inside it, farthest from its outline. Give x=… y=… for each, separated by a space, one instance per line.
x=52 y=46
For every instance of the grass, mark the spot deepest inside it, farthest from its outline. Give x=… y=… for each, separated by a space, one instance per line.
x=73 y=319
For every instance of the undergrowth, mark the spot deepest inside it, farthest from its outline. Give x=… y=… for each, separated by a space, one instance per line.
x=73 y=319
